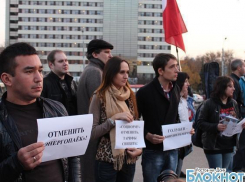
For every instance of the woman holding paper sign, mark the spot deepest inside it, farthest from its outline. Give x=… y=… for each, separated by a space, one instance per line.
x=217 y=147
x=114 y=100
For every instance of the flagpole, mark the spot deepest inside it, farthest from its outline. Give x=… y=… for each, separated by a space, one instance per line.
x=180 y=69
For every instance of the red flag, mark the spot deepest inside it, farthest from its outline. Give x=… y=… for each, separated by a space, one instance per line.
x=173 y=23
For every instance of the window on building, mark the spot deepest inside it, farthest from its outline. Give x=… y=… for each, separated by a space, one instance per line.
x=41 y=2
x=49 y=36
x=58 y=28
x=24 y=27
x=41 y=44
x=33 y=28
x=50 y=3
x=41 y=11
x=75 y=3
x=41 y=36
x=68 y=3
x=58 y=36
x=33 y=2
x=67 y=20
x=25 y=19
x=58 y=45
x=75 y=12
x=33 y=36
x=49 y=28
x=49 y=44
x=66 y=28
x=66 y=36
x=50 y=19
x=58 y=3
x=66 y=11
x=50 y=11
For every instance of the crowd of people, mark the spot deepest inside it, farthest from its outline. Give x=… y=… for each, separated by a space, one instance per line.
x=103 y=90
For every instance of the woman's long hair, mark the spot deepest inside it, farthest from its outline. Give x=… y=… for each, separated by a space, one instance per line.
x=112 y=68
x=220 y=85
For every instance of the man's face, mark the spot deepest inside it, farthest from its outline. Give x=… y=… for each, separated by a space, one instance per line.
x=242 y=70
x=27 y=83
x=60 y=66
x=104 y=55
x=171 y=70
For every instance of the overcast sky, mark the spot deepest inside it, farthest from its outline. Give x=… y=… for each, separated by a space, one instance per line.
x=208 y=23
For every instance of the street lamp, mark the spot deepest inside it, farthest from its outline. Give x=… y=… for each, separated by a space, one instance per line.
x=223 y=59
x=82 y=32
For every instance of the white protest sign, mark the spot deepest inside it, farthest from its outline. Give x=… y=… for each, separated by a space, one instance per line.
x=129 y=135
x=233 y=128
x=176 y=135
x=64 y=136
x=230 y=129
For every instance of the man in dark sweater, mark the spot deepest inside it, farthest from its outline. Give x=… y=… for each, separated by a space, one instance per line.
x=58 y=84
x=238 y=70
x=20 y=107
x=158 y=104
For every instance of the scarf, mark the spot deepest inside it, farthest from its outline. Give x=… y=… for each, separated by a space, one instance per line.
x=115 y=103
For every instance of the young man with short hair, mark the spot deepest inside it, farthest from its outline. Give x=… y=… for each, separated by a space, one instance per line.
x=58 y=84
x=158 y=104
x=20 y=107
x=98 y=53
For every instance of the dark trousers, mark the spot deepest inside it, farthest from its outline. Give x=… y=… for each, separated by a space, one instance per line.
x=105 y=172
x=239 y=157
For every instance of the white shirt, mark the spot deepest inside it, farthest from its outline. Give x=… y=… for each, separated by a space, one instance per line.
x=183 y=110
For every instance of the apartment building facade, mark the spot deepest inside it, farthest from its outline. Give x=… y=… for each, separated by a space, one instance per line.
x=134 y=27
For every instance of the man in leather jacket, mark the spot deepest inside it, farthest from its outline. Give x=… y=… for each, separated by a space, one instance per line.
x=20 y=107
x=58 y=84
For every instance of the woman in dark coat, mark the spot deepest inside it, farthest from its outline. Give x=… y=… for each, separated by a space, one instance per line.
x=217 y=147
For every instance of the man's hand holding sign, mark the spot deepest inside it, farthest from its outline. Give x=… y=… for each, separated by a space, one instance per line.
x=177 y=135
x=31 y=155
x=64 y=139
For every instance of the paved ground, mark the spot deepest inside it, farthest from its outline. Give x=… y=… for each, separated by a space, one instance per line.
x=193 y=160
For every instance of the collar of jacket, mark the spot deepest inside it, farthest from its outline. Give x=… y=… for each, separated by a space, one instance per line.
x=9 y=123
x=242 y=78
x=160 y=89
x=49 y=109
x=68 y=78
x=235 y=76
x=97 y=63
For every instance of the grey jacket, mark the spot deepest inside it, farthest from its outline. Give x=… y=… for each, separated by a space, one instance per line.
x=89 y=81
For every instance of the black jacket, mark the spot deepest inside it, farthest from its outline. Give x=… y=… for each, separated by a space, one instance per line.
x=208 y=120
x=156 y=109
x=10 y=142
x=52 y=89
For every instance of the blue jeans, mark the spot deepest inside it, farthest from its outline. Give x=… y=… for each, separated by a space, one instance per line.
x=219 y=160
x=155 y=161
x=105 y=172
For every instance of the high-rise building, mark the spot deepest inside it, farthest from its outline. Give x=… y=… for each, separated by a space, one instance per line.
x=134 y=27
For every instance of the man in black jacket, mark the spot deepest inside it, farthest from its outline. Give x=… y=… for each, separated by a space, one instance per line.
x=58 y=84
x=158 y=104
x=20 y=107
x=238 y=70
